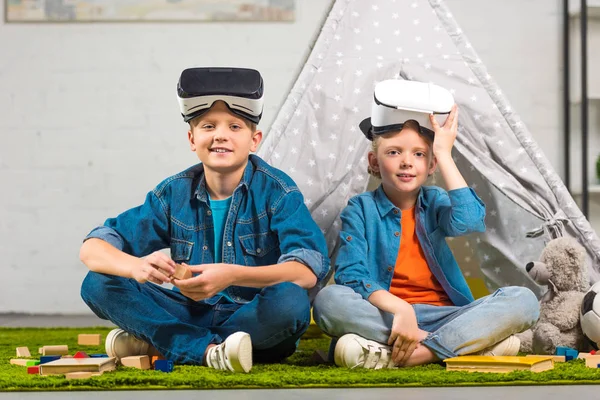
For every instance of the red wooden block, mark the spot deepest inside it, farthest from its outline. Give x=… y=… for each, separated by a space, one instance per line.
x=81 y=354
x=33 y=370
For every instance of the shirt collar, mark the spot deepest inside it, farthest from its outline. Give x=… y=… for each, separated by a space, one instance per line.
x=385 y=206
x=202 y=194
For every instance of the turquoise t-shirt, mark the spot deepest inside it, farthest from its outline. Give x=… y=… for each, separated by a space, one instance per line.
x=219 y=209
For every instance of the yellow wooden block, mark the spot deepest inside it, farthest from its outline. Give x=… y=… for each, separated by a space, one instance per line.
x=23 y=352
x=592 y=361
x=89 y=339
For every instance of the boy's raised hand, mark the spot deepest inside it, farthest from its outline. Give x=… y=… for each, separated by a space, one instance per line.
x=211 y=279
x=155 y=268
x=446 y=134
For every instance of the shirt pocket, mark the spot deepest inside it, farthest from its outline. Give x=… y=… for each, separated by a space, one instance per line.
x=181 y=250
x=258 y=248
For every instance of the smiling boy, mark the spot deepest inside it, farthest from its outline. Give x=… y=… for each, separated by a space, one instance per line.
x=239 y=223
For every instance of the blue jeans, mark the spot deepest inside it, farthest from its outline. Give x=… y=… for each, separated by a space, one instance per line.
x=181 y=328
x=452 y=330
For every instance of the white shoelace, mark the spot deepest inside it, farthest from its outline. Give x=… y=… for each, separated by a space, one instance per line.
x=377 y=357
x=216 y=358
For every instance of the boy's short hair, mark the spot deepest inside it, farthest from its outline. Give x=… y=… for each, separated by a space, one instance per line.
x=251 y=125
x=409 y=124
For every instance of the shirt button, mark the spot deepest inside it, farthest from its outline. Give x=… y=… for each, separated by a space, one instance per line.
x=204 y=247
x=348 y=238
x=396 y=233
x=229 y=244
x=209 y=212
x=396 y=211
x=390 y=269
x=258 y=250
x=368 y=285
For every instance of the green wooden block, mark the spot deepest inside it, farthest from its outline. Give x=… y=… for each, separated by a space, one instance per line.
x=33 y=363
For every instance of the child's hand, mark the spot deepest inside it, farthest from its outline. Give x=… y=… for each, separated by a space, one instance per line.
x=446 y=134
x=405 y=336
x=211 y=279
x=156 y=268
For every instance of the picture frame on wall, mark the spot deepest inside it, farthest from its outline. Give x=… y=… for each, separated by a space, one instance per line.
x=148 y=10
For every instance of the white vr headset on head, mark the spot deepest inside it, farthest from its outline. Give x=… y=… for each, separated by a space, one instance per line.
x=397 y=101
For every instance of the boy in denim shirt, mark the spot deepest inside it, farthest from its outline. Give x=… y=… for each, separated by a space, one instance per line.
x=400 y=298
x=240 y=224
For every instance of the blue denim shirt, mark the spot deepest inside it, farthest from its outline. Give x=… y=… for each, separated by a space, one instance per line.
x=371 y=231
x=267 y=223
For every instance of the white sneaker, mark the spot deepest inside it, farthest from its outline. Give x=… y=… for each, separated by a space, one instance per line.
x=120 y=343
x=508 y=347
x=234 y=354
x=352 y=351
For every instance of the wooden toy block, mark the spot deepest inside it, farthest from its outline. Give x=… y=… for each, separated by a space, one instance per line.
x=554 y=357
x=33 y=370
x=65 y=366
x=32 y=363
x=47 y=359
x=571 y=354
x=40 y=350
x=593 y=352
x=81 y=375
x=89 y=339
x=182 y=272
x=99 y=355
x=583 y=355
x=59 y=350
x=139 y=362
x=23 y=352
x=592 y=361
x=163 y=365
x=81 y=354
x=562 y=350
x=19 y=361
x=155 y=358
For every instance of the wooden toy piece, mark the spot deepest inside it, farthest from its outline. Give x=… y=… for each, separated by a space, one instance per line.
x=23 y=352
x=19 y=361
x=561 y=350
x=139 y=362
x=182 y=272
x=155 y=358
x=89 y=339
x=583 y=355
x=32 y=363
x=593 y=352
x=81 y=354
x=40 y=350
x=81 y=375
x=67 y=365
x=163 y=365
x=67 y=356
x=592 y=361
x=33 y=370
x=59 y=350
x=47 y=359
x=554 y=357
x=571 y=354
x=99 y=355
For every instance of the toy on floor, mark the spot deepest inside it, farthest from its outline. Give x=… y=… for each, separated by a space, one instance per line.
x=89 y=339
x=590 y=315
x=562 y=267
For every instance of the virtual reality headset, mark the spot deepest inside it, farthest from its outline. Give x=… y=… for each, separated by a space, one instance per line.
x=397 y=101
x=240 y=88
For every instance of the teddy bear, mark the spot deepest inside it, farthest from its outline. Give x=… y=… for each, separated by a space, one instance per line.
x=561 y=267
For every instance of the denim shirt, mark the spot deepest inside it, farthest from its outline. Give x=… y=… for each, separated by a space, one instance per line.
x=267 y=223
x=371 y=231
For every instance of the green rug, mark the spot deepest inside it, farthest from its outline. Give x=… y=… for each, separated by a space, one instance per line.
x=298 y=371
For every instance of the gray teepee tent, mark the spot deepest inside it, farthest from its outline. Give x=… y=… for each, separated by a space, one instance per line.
x=315 y=137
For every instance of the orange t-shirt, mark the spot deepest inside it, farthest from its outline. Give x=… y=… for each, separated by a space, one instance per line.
x=413 y=281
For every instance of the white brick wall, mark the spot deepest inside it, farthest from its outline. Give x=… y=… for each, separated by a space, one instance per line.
x=89 y=120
